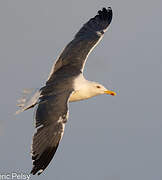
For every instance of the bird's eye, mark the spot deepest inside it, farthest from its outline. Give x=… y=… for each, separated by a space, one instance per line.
x=98 y=87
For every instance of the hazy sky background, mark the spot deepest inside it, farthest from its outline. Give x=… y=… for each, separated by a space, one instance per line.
x=106 y=138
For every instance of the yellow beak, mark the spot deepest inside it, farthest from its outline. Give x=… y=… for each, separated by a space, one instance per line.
x=112 y=93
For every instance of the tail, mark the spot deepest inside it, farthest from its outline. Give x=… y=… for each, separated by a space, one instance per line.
x=28 y=100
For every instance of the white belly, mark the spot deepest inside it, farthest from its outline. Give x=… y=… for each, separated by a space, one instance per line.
x=78 y=96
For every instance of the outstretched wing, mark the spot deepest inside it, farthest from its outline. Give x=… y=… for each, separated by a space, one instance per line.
x=52 y=110
x=51 y=116
x=76 y=52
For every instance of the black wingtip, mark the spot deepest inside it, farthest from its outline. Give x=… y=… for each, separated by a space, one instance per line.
x=40 y=164
x=106 y=14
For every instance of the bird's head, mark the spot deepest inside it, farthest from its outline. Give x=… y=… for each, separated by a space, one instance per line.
x=100 y=89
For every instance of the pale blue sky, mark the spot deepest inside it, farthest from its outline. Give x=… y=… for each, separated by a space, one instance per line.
x=106 y=138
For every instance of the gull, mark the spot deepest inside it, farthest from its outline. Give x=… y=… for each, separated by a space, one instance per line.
x=65 y=84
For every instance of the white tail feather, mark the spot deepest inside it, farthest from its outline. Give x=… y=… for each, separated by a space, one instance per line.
x=28 y=100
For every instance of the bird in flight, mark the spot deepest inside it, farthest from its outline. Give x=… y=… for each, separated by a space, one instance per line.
x=65 y=84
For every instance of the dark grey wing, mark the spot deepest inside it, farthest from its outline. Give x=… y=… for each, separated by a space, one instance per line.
x=75 y=53
x=51 y=116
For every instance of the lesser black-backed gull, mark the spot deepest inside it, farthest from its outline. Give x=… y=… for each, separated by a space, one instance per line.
x=65 y=83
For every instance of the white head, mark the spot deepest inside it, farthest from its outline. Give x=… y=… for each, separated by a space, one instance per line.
x=89 y=89
x=97 y=89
